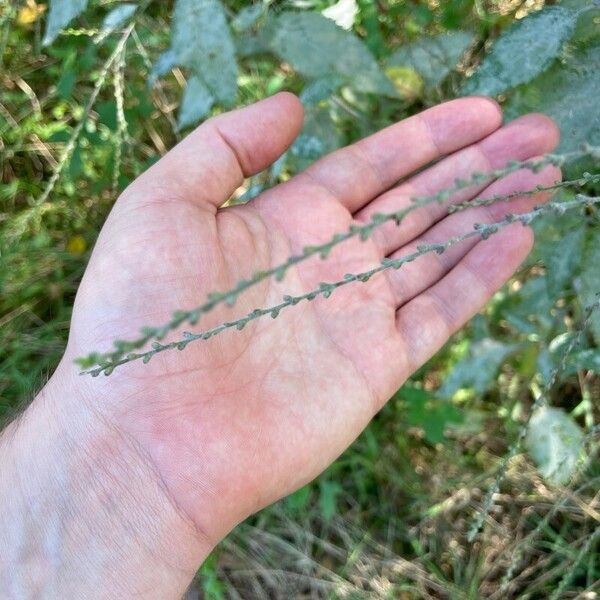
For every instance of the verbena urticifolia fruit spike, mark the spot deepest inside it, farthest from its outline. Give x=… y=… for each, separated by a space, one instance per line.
x=123 y=348
x=325 y=289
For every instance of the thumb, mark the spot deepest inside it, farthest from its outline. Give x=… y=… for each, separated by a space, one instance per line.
x=212 y=161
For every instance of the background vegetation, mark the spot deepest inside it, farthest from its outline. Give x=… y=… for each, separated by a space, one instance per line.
x=408 y=511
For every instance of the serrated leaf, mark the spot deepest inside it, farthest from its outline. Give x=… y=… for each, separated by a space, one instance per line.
x=589 y=279
x=118 y=16
x=478 y=369
x=568 y=92
x=202 y=41
x=61 y=13
x=523 y=51
x=433 y=57
x=316 y=47
x=554 y=441
x=195 y=104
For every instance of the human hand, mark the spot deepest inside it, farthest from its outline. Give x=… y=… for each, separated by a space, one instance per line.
x=238 y=421
x=233 y=423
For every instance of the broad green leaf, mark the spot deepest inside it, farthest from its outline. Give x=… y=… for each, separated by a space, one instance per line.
x=68 y=77
x=429 y=413
x=319 y=136
x=523 y=51
x=478 y=369
x=319 y=90
x=562 y=258
x=202 y=42
x=316 y=47
x=568 y=92
x=107 y=113
x=530 y=309
x=433 y=57
x=589 y=279
x=195 y=104
x=118 y=16
x=587 y=30
x=555 y=442
x=256 y=39
x=61 y=13
x=248 y=17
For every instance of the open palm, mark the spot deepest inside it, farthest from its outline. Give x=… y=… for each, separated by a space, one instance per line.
x=235 y=422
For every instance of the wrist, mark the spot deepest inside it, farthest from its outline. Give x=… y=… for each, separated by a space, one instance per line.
x=84 y=507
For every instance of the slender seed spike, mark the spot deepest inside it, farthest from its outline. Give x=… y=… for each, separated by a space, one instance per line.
x=121 y=347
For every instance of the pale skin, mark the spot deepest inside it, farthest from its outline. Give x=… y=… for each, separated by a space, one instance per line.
x=120 y=486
